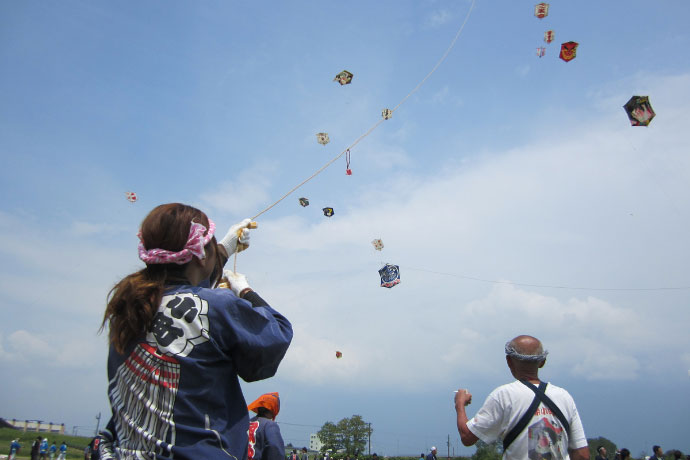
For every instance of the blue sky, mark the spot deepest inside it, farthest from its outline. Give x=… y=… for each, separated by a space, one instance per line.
x=504 y=167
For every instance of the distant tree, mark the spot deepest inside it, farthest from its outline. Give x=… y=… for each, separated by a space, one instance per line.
x=349 y=435
x=330 y=440
x=492 y=451
x=610 y=446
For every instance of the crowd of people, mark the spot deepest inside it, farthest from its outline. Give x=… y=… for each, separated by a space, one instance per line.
x=40 y=449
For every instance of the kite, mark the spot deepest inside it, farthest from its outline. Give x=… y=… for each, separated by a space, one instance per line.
x=348 y=171
x=131 y=197
x=338 y=354
x=378 y=244
x=541 y=10
x=541 y=51
x=390 y=275
x=549 y=36
x=304 y=202
x=639 y=110
x=323 y=138
x=387 y=114
x=568 y=51
x=344 y=78
x=328 y=212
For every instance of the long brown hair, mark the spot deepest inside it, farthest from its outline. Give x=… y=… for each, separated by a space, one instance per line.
x=133 y=302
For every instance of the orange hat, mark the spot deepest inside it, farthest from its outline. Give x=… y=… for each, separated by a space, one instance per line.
x=270 y=401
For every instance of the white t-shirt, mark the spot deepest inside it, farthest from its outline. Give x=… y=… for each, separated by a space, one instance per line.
x=543 y=437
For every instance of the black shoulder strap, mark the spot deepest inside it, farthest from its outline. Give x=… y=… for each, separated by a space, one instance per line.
x=539 y=393
x=524 y=420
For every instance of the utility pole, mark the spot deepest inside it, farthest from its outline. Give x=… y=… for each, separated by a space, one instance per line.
x=369 y=438
x=448 y=444
x=98 y=423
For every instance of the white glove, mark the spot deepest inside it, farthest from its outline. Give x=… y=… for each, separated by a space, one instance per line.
x=238 y=282
x=238 y=233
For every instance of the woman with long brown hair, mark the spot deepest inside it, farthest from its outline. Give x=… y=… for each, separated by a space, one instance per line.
x=177 y=346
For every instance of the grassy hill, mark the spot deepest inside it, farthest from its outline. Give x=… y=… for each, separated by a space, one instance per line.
x=75 y=444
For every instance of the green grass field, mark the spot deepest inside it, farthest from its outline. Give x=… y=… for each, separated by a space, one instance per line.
x=75 y=444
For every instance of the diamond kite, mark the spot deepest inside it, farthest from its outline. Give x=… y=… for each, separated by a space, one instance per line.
x=378 y=244
x=390 y=275
x=344 y=78
x=387 y=114
x=541 y=10
x=549 y=36
x=131 y=197
x=639 y=110
x=328 y=212
x=338 y=354
x=541 y=51
x=304 y=202
x=568 y=51
x=323 y=138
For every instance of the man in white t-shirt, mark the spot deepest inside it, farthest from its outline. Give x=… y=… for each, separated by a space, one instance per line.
x=553 y=431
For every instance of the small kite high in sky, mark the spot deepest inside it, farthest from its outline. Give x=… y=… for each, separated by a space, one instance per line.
x=541 y=10
x=549 y=36
x=328 y=212
x=541 y=51
x=304 y=202
x=390 y=275
x=387 y=114
x=568 y=51
x=344 y=78
x=338 y=354
x=323 y=138
x=131 y=197
x=639 y=110
x=378 y=244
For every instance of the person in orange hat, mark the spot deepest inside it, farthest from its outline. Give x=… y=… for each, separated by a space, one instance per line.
x=265 y=440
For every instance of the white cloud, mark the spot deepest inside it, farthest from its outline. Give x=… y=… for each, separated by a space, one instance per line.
x=51 y=349
x=438 y=18
x=523 y=70
x=556 y=212
x=441 y=96
x=247 y=191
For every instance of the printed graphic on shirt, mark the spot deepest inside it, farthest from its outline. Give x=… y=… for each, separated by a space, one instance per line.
x=142 y=399
x=545 y=441
x=253 y=427
x=180 y=323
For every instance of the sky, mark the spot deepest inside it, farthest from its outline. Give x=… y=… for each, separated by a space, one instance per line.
x=510 y=189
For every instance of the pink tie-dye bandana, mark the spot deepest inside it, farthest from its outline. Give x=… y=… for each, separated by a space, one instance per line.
x=194 y=247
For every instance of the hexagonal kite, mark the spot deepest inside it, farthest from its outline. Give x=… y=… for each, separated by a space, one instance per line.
x=541 y=10
x=344 y=78
x=390 y=275
x=639 y=110
x=568 y=51
x=378 y=244
x=322 y=138
x=328 y=212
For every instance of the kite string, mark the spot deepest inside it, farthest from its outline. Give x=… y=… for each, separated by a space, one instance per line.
x=321 y=169
x=360 y=138
x=575 y=288
x=440 y=61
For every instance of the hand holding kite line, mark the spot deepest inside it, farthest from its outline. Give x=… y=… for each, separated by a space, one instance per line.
x=236 y=282
x=237 y=238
